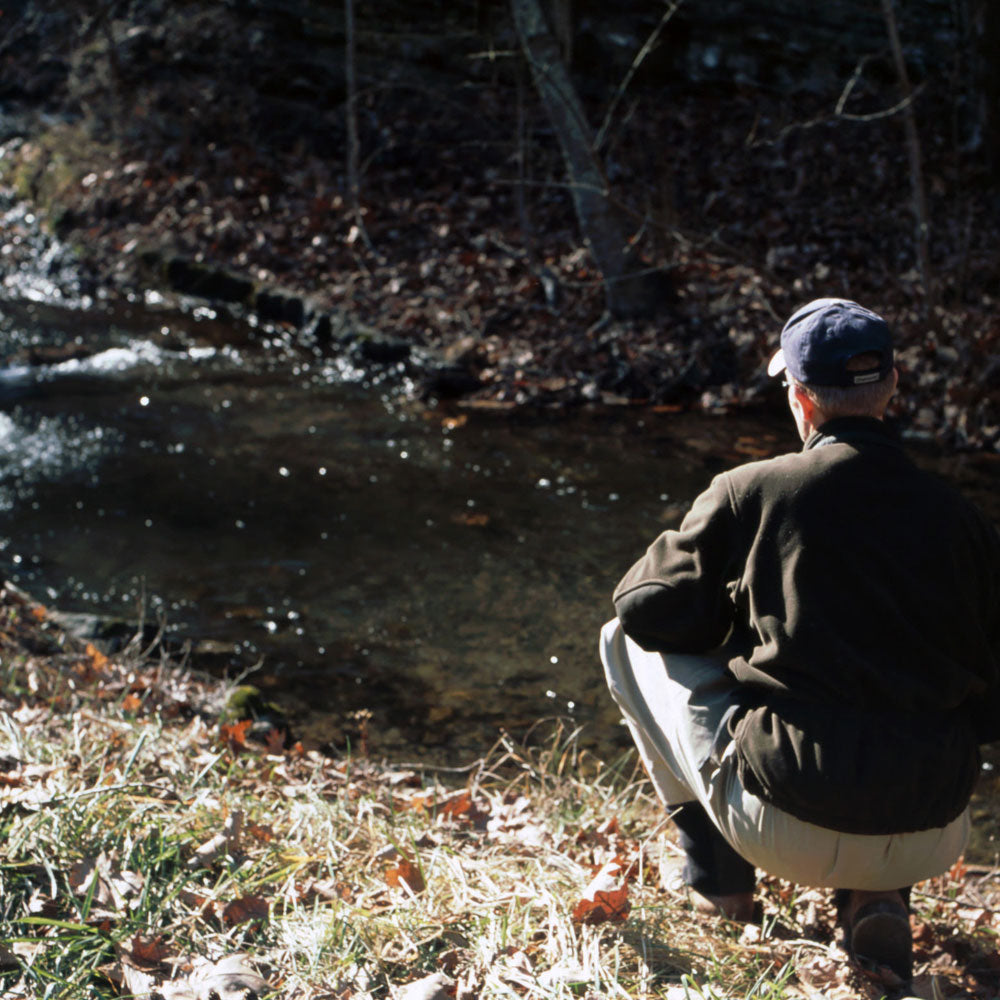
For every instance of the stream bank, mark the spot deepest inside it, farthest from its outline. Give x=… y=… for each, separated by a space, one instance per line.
x=179 y=150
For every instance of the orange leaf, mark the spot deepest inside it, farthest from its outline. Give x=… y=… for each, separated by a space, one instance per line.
x=235 y=734
x=613 y=906
x=406 y=874
x=97 y=658
x=131 y=703
x=457 y=806
x=38 y=613
x=606 y=898
x=462 y=807
x=471 y=520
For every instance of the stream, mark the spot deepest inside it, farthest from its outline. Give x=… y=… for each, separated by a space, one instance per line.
x=303 y=523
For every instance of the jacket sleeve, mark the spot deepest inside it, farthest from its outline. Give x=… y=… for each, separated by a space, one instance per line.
x=985 y=708
x=676 y=598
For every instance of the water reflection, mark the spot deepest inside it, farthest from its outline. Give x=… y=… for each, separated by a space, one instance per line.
x=448 y=572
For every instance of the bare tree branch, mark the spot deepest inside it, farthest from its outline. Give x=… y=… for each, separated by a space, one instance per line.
x=353 y=142
x=602 y=132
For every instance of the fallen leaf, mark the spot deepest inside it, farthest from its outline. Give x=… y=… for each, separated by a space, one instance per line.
x=245 y=909
x=462 y=807
x=407 y=875
x=261 y=832
x=131 y=703
x=274 y=741
x=436 y=986
x=224 y=842
x=230 y=978
x=97 y=659
x=605 y=898
x=146 y=953
x=139 y=982
x=235 y=735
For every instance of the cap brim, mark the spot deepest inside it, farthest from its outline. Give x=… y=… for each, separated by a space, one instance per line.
x=777 y=364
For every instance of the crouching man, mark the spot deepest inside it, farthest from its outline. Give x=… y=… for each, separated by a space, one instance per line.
x=809 y=664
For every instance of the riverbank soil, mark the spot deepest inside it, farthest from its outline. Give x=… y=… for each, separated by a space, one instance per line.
x=758 y=161
x=156 y=844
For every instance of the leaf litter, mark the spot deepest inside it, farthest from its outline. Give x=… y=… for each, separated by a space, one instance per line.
x=159 y=857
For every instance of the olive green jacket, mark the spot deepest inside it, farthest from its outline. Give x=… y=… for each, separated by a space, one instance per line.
x=858 y=601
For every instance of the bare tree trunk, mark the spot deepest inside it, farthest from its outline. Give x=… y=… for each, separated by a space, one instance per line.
x=628 y=291
x=923 y=229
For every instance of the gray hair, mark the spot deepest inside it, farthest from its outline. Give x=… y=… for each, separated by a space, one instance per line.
x=867 y=400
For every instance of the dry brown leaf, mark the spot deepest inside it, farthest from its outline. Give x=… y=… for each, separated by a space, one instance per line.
x=264 y=833
x=131 y=703
x=235 y=735
x=407 y=875
x=97 y=659
x=245 y=909
x=109 y=886
x=147 y=953
x=274 y=741
x=605 y=898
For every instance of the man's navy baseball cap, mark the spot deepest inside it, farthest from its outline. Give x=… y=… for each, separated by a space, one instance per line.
x=821 y=338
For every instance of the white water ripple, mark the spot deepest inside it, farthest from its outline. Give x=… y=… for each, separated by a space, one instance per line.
x=44 y=449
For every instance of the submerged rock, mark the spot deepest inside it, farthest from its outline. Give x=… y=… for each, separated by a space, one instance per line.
x=193 y=278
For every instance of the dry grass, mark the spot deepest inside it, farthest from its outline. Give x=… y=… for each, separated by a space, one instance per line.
x=148 y=845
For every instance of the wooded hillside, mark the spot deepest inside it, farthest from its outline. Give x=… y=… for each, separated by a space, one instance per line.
x=739 y=158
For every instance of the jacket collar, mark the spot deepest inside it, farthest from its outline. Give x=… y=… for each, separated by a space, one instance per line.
x=853 y=430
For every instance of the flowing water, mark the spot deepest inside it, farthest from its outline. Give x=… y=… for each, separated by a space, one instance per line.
x=447 y=572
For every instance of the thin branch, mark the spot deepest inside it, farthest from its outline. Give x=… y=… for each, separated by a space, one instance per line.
x=902 y=105
x=914 y=153
x=850 y=85
x=353 y=142
x=839 y=114
x=602 y=132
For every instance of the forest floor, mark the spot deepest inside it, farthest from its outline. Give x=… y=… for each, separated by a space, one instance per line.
x=751 y=202
x=157 y=845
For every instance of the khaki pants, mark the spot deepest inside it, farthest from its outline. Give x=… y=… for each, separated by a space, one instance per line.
x=675 y=707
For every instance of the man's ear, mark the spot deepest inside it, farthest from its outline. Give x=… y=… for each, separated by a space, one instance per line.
x=802 y=402
x=803 y=411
